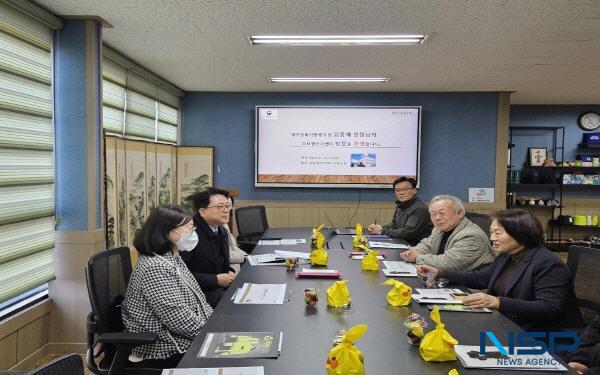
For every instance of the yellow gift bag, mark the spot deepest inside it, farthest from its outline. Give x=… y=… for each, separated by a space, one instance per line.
x=369 y=260
x=317 y=239
x=318 y=257
x=338 y=294
x=400 y=294
x=359 y=238
x=345 y=358
x=438 y=345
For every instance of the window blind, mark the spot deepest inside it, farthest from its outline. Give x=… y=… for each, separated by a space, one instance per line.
x=135 y=106
x=26 y=154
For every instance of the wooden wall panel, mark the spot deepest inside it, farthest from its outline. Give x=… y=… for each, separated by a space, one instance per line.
x=32 y=337
x=8 y=351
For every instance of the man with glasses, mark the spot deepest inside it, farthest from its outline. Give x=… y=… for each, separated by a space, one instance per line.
x=411 y=219
x=209 y=260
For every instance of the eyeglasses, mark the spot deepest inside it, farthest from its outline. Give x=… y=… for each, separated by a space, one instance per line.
x=221 y=207
x=183 y=226
x=402 y=190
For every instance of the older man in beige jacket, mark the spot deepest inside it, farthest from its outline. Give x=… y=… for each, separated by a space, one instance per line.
x=455 y=244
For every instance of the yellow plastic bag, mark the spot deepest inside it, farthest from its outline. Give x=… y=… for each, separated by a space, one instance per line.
x=400 y=294
x=317 y=239
x=438 y=345
x=319 y=257
x=338 y=294
x=369 y=260
x=359 y=238
x=345 y=358
x=453 y=372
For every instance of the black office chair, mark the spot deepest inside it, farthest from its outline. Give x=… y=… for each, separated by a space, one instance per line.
x=251 y=223
x=107 y=275
x=584 y=264
x=70 y=364
x=483 y=221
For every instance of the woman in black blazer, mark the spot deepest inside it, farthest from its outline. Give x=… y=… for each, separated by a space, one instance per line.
x=526 y=282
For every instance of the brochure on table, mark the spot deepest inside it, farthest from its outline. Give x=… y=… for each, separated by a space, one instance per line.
x=469 y=357
x=260 y=294
x=241 y=345
x=259 y=370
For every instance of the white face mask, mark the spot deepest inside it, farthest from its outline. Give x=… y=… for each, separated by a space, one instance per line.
x=187 y=241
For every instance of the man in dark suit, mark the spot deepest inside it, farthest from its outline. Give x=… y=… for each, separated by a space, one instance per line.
x=209 y=260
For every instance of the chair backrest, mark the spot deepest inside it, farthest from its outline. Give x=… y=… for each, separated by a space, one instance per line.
x=584 y=264
x=251 y=222
x=71 y=364
x=483 y=221
x=107 y=275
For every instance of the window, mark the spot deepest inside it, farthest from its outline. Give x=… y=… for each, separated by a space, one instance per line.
x=135 y=106
x=26 y=154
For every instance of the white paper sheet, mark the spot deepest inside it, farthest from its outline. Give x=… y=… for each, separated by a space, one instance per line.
x=258 y=370
x=362 y=256
x=387 y=245
x=436 y=296
x=540 y=362
x=265 y=260
x=270 y=242
x=298 y=241
x=261 y=294
x=291 y=254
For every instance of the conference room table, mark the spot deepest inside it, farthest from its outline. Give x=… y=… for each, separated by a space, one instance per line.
x=308 y=332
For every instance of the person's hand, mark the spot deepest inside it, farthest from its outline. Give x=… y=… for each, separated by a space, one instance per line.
x=409 y=256
x=481 y=300
x=224 y=279
x=580 y=368
x=424 y=269
x=375 y=229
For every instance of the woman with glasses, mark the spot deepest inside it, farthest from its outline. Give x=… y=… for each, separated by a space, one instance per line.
x=162 y=295
x=209 y=261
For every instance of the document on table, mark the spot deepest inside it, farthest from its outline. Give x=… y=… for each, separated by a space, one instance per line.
x=436 y=296
x=266 y=260
x=282 y=242
x=291 y=254
x=494 y=360
x=387 y=245
x=399 y=269
x=362 y=256
x=257 y=370
x=260 y=294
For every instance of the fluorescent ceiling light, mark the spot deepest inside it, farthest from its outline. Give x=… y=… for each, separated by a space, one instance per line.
x=330 y=79
x=337 y=39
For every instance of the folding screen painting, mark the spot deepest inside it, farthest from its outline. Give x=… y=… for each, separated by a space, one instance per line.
x=142 y=175
x=110 y=181
x=135 y=152
x=194 y=172
x=165 y=173
x=151 y=182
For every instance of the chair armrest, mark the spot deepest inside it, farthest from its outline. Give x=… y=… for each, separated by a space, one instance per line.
x=128 y=338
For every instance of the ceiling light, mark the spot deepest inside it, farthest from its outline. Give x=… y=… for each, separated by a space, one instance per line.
x=330 y=79
x=300 y=40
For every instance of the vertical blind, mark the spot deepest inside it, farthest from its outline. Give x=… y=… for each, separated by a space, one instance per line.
x=26 y=154
x=135 y=107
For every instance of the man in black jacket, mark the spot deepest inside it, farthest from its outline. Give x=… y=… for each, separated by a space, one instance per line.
x=586 y=359
x=209 y=261
x=411 y=221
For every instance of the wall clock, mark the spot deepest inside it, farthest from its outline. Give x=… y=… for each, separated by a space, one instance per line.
x=589 y=121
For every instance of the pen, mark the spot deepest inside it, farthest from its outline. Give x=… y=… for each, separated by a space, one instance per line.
x=280 y=342
x=341 y=244
x=327 y=244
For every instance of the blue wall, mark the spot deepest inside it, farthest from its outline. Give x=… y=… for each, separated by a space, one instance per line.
x=458 y=142
x=547 y=116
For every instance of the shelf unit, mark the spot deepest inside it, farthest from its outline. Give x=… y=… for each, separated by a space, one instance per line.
x=555 y=189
